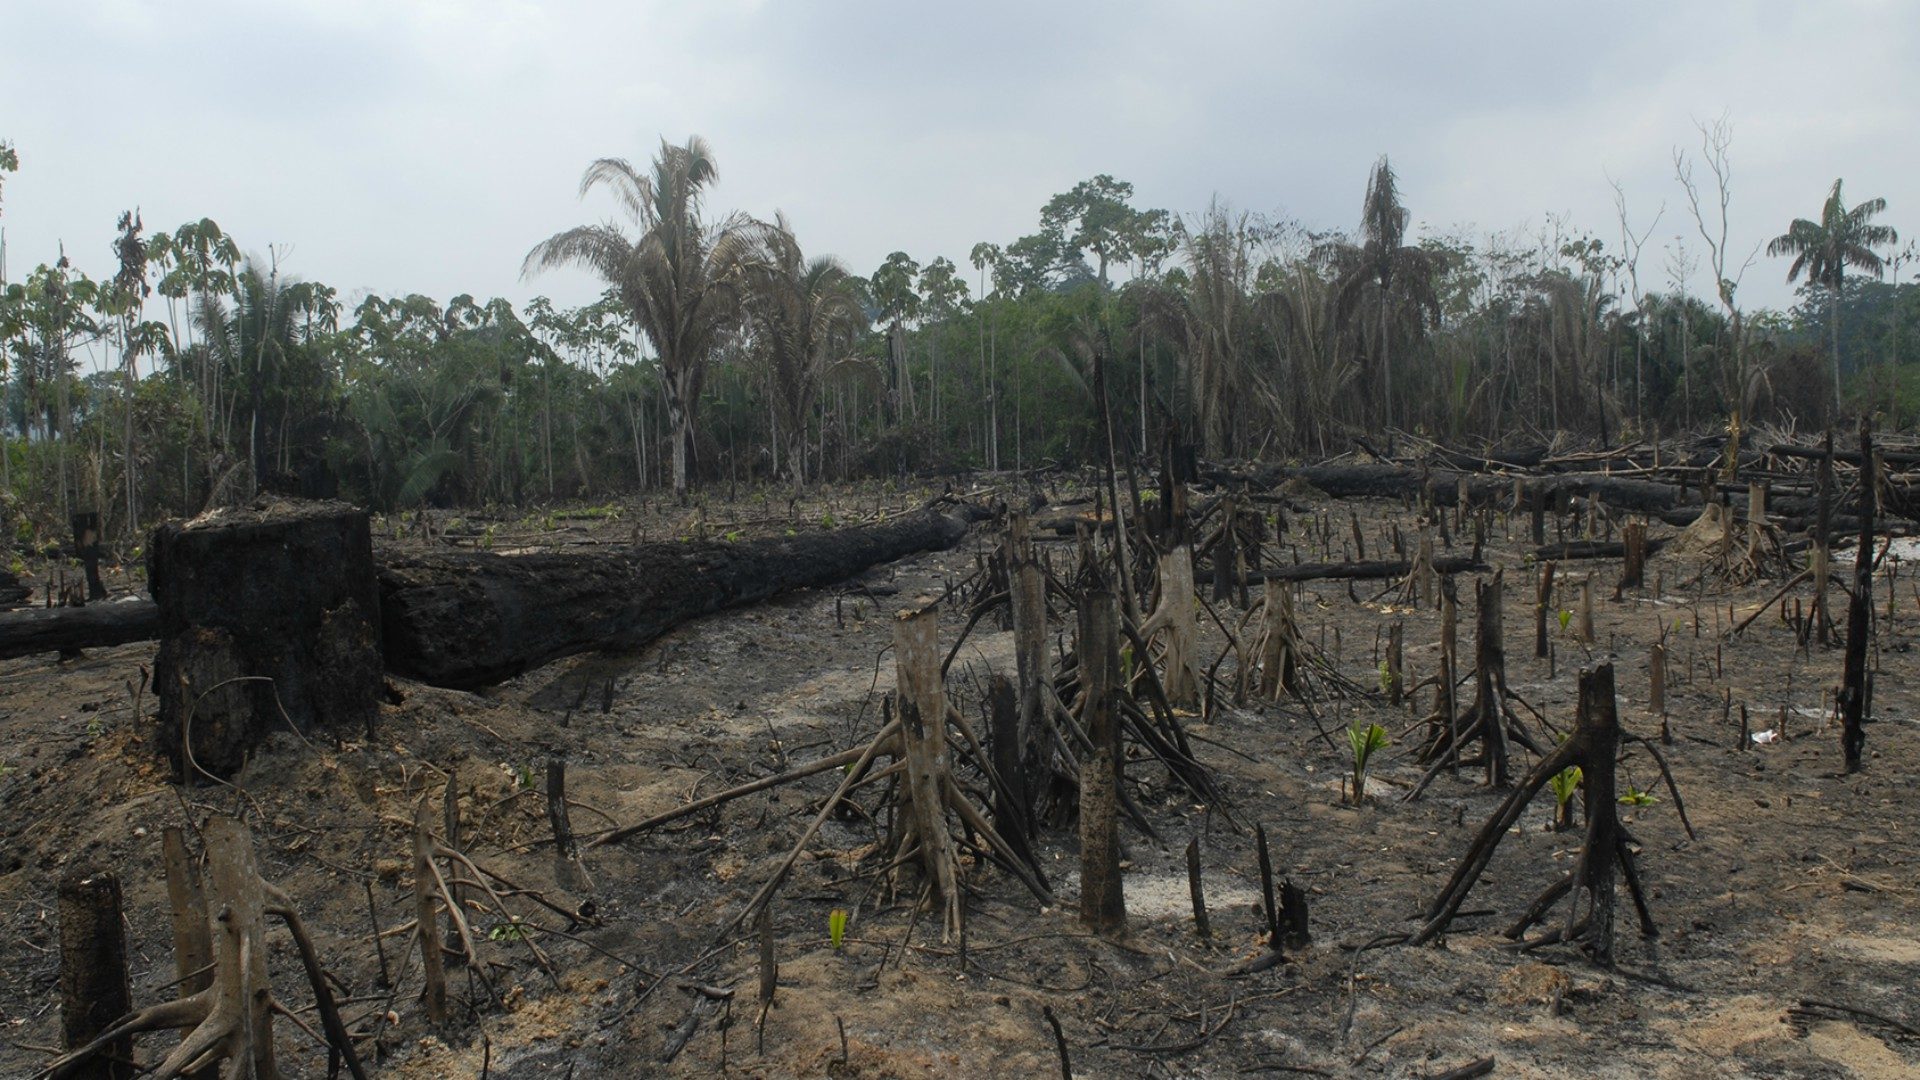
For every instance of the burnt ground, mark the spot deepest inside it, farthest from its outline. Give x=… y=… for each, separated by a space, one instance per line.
x=1800 y=884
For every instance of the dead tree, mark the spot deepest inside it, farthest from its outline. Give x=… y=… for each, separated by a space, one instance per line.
x=1175 y=623
x=1853 y=680
x=1490 y=720
x=231 y=1020
x=1103 y=905
x=1594 y=749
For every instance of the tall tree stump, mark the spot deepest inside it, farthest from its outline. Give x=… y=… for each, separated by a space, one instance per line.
x=269 y=617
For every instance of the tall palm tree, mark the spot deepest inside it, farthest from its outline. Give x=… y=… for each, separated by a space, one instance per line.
x=806 y=320
x=1824 y=249
x=1397 y=274
x=681 y=277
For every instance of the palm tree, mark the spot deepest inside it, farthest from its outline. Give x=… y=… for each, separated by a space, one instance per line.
x=806 y=320
x=1399 y=274
x=681 y=278
x=1824 y=249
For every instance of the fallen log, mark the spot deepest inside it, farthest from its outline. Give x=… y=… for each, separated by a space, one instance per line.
x=1591 y=549
x=467 y=619
x=23 y=633
x=1363 y=571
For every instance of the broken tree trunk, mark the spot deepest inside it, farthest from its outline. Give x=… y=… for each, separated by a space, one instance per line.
x=467 y=619
x=1027 y=587
x=923 y=731
x=93 y=972
x=1177 y=615
x=1103 y=906
x=1853 y=680
x=269 y=618
x=1279 y=643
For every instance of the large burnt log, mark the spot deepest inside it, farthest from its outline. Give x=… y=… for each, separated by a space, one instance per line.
x=467 y=619
x=269 y=617
x=95 y=626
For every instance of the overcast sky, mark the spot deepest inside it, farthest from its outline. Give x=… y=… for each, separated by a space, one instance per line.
x=400 y=146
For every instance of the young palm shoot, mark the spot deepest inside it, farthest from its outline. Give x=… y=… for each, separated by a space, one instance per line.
x=1366 y=741
x=1564 y=785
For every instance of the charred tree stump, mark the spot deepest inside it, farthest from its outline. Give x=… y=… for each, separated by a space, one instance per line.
x=1594 y=748
x=1103 y=905
x=1853 y=680
x=93 y=973
x=1633 y=570
x=269 y=618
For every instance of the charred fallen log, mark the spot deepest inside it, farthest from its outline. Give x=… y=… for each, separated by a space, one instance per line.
x=466 y=619
x=1379 y=569
x=23 y=633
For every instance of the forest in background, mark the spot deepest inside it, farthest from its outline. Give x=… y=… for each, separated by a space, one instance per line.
x=187 y=368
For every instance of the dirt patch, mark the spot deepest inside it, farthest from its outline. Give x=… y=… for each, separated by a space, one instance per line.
x=1799 y=883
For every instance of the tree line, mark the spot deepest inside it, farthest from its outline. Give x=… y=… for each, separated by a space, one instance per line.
x=722 y=350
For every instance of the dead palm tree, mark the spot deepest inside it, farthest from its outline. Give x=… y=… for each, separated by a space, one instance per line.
x=681 y=278
x=806 y=320
x=1824 y=249
x=1397 y=274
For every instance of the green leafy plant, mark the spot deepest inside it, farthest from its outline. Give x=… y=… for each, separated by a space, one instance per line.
x=1566 y=616
x=1386 y=678
x=732 y=537
x=837 y=927
x=1366 y=741
x=826 y=520
x=1564 y=784
x=1636 y=797
x=511 y=930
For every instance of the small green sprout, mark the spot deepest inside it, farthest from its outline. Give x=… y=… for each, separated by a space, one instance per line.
x=837 y=927
x=1636 y=797
x=1566 y=616
x=511 y=930
x=1366 y=741
x=1564 y=784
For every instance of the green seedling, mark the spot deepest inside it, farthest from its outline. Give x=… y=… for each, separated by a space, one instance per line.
x=1564 y=784
x=732 y=537
x=1366 y=742
x=1386 y=678
x=511 y=930
x=837 y=927
x=1566 y=617
x=1636 y=797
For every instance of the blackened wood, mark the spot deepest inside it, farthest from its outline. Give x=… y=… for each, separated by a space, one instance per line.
x=93 y=972
x=95 y=626
x=468 y=619
x=269 y=617
x=1853 y=680
x=1197 y=890
x=1362 y=571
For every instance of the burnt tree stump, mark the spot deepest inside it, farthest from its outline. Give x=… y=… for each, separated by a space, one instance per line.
x=269 y=618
